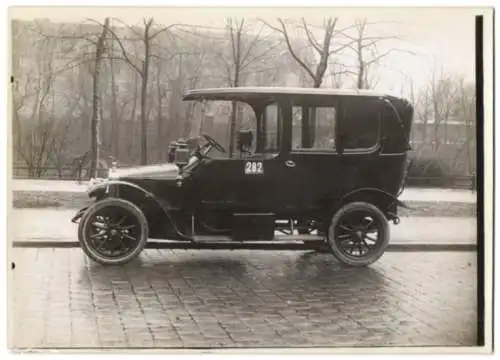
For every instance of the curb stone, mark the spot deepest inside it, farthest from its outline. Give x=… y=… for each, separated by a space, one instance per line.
x=394 y=247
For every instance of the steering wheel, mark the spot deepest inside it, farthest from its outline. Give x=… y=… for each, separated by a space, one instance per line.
x=214 y=143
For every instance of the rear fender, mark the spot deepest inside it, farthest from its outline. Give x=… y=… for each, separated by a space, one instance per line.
x=385 y=201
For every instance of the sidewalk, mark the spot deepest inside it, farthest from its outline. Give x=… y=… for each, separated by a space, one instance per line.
x=409 y=194
x=440 y=195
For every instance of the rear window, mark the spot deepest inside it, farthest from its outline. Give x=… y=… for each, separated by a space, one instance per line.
x=361 y=126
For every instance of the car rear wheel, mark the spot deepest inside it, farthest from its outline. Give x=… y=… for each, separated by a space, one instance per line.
x=113 y=231
x=358 y=234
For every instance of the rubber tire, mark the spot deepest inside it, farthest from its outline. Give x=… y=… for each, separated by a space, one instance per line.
x=80 y=224
x=134 y=210
x=382 y=242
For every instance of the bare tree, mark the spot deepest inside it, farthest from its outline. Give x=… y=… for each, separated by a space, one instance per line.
x=466 y=112
x=142 y=67
x=115 y=114
x=37 y=130
x=366 y=49
x=324 y=51
x=245 y=40
x=161 y=93
x=95 y=138
x=443 y=93
x=89 y=50
x=196 y=66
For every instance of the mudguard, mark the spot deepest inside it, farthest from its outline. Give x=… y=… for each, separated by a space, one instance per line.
x=106 y=187
x=374 y=190
x=79 y=214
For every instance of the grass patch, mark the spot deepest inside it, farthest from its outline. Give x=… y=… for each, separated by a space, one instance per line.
x=436 y=209
x=35 y=202
x=38 y=199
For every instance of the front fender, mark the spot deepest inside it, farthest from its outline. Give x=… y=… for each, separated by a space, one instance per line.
x=98 y=190
x=110 y=188
x=107 y=188
x=79 y=215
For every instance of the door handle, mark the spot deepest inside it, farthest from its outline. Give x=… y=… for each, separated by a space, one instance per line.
x=290 y=163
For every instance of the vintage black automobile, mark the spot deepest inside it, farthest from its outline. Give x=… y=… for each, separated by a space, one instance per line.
x=326 y=167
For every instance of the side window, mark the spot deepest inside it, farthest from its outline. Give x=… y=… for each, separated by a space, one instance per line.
x=323 y=132
x=361 y=126
x=271 y=133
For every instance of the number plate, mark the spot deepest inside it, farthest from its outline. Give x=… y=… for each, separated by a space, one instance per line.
x=254 y=168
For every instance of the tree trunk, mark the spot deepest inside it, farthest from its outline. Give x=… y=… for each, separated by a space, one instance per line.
x=232 y=127
x=159 y=118
x=115 y=134
x=94 y=132
x=234 y=105
x=309 y=121
x=144 y=94
x=361 y=64
x=144 y=124
x=131 y=126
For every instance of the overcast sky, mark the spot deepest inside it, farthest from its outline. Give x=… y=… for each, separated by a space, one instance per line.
x=441 y=37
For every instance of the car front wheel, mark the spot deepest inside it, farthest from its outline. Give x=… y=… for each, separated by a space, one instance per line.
x=358 y=234
x=113 y=231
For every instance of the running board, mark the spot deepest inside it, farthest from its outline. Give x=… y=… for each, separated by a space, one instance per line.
x=211 y=239
x=304 y=238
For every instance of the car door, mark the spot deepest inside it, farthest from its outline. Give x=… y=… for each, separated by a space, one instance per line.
x=217 y=181
x=312 y=167
x=273 y=179
x=266 y=185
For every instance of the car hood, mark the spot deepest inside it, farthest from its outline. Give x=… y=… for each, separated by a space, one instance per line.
x=157 y=172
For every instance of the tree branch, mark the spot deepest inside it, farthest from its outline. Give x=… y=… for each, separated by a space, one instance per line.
x=131 y=28
x=260 y=56
x=122 y=48
x=251 y=46
x=311 y=38
x=166 y=28
x=290 y=48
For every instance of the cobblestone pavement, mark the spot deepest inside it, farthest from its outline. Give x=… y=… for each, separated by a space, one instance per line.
x=181 y=298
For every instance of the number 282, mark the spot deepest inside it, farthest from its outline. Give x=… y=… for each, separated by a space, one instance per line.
x=254 y=167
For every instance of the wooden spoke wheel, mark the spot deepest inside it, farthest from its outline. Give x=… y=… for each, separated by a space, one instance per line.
x=113 y=231
x=358 y=234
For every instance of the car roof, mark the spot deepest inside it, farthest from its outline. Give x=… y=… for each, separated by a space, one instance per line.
x=221 y=92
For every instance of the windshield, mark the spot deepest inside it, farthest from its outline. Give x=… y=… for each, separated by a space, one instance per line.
x=214 y=119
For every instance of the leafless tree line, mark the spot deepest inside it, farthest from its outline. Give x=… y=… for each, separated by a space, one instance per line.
x=446 y=112
x=103 y=89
